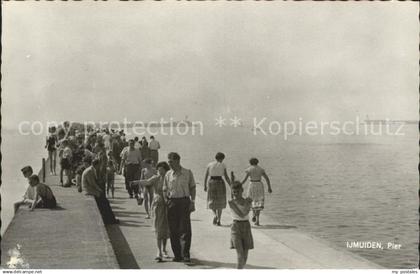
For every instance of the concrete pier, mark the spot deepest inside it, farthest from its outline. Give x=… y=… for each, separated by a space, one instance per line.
x=277 y=246
x=74 y=236
x=71 y=236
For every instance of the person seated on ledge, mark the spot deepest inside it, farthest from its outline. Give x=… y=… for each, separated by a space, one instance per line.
x=91 y=187
x=44 y=197
x=29 y=195
x=87 y=161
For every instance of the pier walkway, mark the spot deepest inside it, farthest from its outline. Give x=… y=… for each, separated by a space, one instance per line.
x=276 y=245
x=74 y=237
x=70 y=237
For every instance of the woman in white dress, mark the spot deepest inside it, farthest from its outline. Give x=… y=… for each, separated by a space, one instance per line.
x=256 y=188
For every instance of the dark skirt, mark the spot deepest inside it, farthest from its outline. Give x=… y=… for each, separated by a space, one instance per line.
x=241 y=236
x=65 y=163
x=216 y=194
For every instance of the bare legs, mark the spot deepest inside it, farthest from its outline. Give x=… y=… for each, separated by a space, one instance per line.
x=51 y=162
x=165 y=252
x=52 y=155
x=21 y=203
x=17 y=205
x=217 y=216
x=148 y=199
x=161 y=245
x=110 y=186
x=256 y=216
x=61 y=176
x=242 y=254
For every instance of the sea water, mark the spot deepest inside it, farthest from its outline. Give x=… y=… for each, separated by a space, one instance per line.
x=17 y=151
x=339 y=188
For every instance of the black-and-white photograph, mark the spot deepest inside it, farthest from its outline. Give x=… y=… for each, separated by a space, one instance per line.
x=210 y=135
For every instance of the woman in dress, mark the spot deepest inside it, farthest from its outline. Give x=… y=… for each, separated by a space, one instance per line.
x=159 y=210
x=216 y=195
x=256 y=188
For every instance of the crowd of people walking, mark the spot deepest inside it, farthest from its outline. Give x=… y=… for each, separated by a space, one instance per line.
x=167 y=190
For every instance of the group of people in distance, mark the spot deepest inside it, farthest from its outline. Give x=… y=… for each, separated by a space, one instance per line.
x=166 y=189
x=89 y=160
x=216 y=189
x=137 y=163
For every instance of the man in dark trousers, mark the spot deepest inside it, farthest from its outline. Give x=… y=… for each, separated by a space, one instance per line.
x=179 y=194
x=131 y=160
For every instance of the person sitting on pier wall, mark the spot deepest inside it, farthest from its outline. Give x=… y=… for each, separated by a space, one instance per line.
x=87 y=161
x=256 y=188
x=241 y=235
x=179 y=192
x=91 y=187
x=29 y=196
x=44 y=197
x=154 y=147
x=216 y=195
x=159 y=209
x=103 y=160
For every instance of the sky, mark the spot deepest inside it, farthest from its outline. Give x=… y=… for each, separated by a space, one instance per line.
x=145 y=60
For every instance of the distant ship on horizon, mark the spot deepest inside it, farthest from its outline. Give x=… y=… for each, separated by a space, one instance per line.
x=389 y=121
x=182 y=123
x=171 y=123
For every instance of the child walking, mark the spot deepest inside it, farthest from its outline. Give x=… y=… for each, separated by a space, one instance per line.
x=241 y=236
x=148 y=172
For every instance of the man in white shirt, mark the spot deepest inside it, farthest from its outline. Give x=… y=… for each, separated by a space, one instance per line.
x=131 y=160
x=179 y=193
x=137 y=144
x=154 y=147
x=107 y=141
